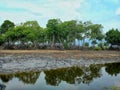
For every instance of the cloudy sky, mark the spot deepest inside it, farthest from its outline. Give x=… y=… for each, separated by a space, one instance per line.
x=105 y=12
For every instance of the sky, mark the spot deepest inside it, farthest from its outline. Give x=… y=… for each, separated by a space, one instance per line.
x=105 y=12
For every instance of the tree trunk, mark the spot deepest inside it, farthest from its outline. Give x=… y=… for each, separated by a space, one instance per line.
x=53 y=42
x=83 y=42
x=62 y=46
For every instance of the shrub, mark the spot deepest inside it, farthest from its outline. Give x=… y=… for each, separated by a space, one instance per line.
x=66 y=46
x=97 y=48
x=100 y=44
x=86 y=44
x=106 y=47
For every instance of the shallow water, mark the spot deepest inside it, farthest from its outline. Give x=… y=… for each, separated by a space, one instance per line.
x=92 y=77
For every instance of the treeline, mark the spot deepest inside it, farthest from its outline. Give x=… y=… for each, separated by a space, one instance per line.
x=56 y=35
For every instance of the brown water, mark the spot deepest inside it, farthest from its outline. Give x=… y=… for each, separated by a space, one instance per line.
x=93 y=77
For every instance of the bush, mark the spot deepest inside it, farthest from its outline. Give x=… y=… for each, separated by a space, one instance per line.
x=97 y=48
x=103 y=46
x=2 y=39
x=106 y=47
x=66 y=46
x=100 y=44
x=86 y=44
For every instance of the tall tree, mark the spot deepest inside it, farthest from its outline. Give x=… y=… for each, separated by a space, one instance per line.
x=96 y=33
x=80 y=31
x=86 y=30
x=34 y=30
x=69 y=32
x=53 y=31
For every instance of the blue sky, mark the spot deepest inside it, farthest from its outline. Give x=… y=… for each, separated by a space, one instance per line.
x=105 y=12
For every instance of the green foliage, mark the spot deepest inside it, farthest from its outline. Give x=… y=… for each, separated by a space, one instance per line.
x=97 y=48
x=103 y=46
x=113 y=87
x=66 y=46
x=113 y=37
x=96 y=31
x=100 y=44
x=56 y=34
x=6 y=26
x=53 y=32
x=15 y=34
x=2 y=39
x=87 y=44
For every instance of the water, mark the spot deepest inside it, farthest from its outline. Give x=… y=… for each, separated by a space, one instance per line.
x=93 y=77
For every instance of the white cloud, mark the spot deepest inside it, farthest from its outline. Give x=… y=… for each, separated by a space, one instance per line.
x=16 y=17
x=118 y=11
x=64 y=9
x=42 y=10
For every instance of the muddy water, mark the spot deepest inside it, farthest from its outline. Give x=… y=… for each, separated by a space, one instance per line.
x=84 y=77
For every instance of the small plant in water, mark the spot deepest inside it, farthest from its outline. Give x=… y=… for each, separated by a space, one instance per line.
x=114 y=88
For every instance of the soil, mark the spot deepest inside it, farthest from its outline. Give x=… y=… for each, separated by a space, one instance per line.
x=12 y=61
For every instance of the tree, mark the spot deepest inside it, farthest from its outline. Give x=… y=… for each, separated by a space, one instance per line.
x=42 y=37
x=96 y=33
x=10 y=36
x=26 y=34
x=86 y=30
x=68 y=32
x=15 y=35
x=53 y=31
x=80 y=31
x=57 y=34
x=113 y=37
x=6 y=26
x=35 y=32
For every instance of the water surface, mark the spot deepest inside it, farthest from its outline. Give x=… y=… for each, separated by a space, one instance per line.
x=92 y=77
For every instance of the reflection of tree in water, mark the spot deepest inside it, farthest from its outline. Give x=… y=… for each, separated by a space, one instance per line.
x=113 y=68
x=91 y=72
x=6 y=77
x=28 y=77
x=54 y=77
x=73 y=75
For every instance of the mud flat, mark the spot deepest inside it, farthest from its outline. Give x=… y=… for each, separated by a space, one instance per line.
x=37 y=60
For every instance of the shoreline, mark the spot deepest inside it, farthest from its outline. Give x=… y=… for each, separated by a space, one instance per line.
x=12 y=61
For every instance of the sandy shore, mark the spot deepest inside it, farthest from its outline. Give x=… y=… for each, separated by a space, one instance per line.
x=27 y=60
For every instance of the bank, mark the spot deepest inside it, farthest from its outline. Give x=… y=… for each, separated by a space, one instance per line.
x=12 y=61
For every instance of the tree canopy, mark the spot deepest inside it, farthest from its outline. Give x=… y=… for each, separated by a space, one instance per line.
x=6 y=25
x=56 y=35
x=113 y=36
